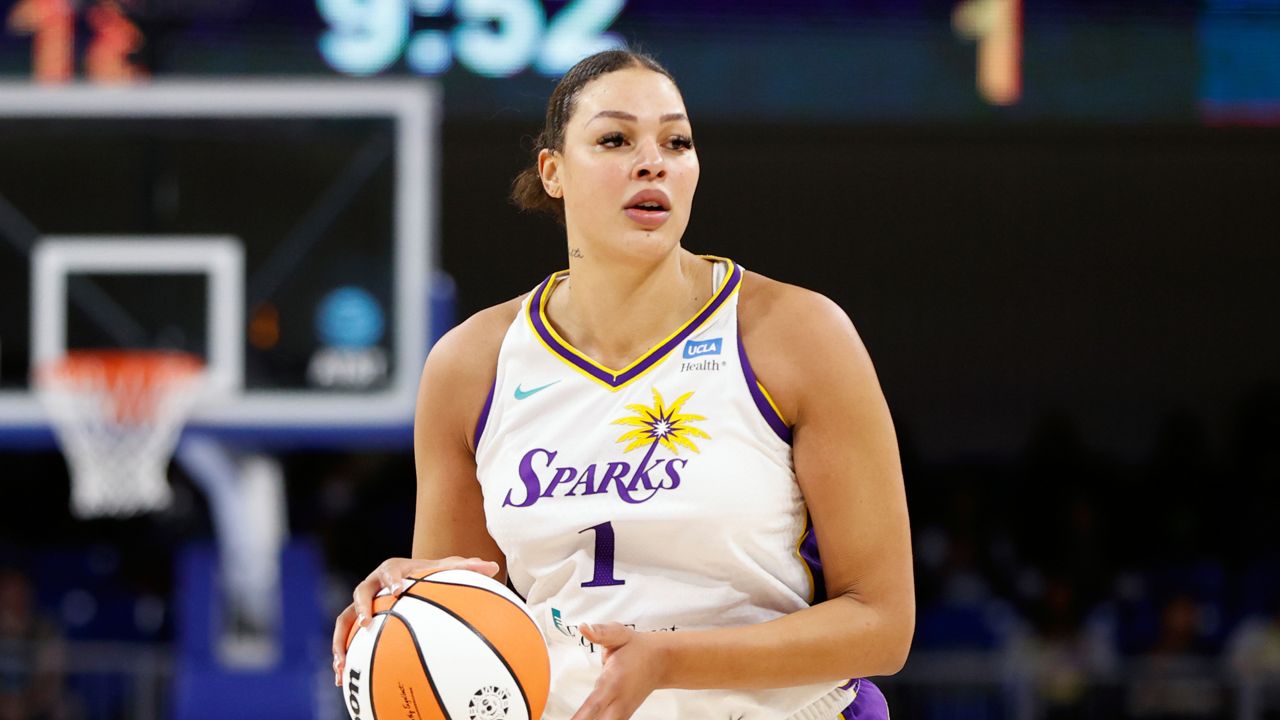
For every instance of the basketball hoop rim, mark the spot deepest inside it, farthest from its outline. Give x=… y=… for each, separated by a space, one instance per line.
x=134 y=383
x=150 y=366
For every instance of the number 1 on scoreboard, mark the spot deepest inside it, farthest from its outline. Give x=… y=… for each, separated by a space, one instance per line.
x=997 y=26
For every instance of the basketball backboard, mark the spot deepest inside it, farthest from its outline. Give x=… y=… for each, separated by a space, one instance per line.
x=283 y=231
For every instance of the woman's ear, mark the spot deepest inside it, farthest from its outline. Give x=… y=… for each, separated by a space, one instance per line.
x=549 y=170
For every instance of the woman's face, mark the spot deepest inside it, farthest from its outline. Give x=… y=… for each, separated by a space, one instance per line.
x=628 y=170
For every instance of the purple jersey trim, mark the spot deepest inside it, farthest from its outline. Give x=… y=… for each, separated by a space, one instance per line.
x=809 y=554
x=484 y=416
x=869 y=704
x=649 y=360
x=762 y=403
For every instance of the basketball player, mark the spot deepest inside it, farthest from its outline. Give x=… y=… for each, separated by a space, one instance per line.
x=687 y=469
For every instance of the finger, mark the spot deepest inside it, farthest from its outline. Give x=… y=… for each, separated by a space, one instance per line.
x=393 y=573
x=392 y=580
x=341 y=629
x=620 y=711
x=609 y=711
x=609 y=635
x=589 y=709
x=474 y=564
x=484 y=567
x=362 y=599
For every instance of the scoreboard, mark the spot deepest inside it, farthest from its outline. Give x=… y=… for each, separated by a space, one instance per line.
x=815 y=61
x=493 y=38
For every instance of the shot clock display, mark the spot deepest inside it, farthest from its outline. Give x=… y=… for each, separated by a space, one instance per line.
x=494 y=38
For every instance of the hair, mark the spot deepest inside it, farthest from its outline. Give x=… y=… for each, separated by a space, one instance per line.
x=527 y=191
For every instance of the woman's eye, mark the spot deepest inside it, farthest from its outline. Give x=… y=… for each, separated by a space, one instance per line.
x=681 y=142
x=612 y=140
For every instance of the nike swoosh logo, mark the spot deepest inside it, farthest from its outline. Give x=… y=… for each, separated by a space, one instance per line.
x=522 y=394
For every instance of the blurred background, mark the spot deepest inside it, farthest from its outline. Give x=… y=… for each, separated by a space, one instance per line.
x=1053 y=222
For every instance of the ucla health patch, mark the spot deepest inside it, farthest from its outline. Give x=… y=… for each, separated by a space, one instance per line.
x=702 y=348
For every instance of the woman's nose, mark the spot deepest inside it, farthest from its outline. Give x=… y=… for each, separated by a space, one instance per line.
x=649 y=163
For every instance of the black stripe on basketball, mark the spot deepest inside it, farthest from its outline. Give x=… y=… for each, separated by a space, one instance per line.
x=528 y=710
x=373 y=659
x=425 y=670
x=477 y=587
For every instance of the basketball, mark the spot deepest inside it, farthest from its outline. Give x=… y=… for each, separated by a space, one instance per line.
x=454 y=644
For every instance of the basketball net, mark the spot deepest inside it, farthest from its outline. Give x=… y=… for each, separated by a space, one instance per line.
x=117 y=415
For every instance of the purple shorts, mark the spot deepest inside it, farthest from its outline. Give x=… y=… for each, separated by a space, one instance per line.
x=868 y=705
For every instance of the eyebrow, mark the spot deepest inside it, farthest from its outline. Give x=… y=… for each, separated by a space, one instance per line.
x=619 y=115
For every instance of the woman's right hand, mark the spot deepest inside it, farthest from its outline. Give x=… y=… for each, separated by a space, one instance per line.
x=390 y=575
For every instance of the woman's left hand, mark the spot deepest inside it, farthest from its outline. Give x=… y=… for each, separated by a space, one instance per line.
x=632 y=663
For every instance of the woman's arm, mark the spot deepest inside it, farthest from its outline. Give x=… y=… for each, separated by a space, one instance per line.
x=806 y=352
x=449 y=525
x=455 y=382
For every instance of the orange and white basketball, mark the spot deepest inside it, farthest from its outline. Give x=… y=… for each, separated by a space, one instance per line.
x=455 y=644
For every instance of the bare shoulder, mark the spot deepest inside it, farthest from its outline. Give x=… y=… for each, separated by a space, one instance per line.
x=796 y=339
x=474 y=342
x=461 y=366
x=773 y=306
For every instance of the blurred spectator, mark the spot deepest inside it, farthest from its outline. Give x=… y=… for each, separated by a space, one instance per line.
x=1254 y=648
x=31 y=655
x=1174 y=680
x=965 y=615
x=1065 y=655
x=1179 y=627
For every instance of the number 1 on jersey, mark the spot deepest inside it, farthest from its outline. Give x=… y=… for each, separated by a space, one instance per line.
x=604 y=557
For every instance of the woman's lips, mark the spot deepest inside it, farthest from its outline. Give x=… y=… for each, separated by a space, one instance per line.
x=647 y=218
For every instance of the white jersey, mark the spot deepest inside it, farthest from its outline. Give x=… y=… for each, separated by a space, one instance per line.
x=661 y=496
